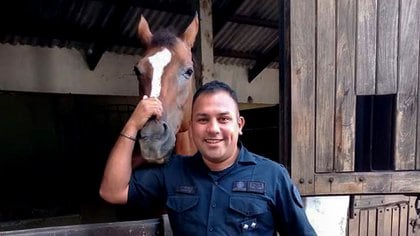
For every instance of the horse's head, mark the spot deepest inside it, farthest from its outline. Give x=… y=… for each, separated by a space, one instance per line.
x=166 y=71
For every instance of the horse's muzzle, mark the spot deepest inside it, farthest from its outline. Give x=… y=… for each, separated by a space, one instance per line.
x=156 y=141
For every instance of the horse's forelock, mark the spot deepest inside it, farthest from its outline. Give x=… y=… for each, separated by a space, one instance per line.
x=164 y=37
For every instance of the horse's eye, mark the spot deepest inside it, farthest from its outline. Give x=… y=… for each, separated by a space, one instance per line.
x=137 y=71
x=189 y=72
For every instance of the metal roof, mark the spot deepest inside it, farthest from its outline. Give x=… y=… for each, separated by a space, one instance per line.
x=244 y=31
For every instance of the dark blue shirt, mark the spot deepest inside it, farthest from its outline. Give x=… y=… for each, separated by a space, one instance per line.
x=255 y=196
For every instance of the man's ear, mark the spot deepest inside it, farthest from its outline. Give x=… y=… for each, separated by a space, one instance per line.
x=241 y=124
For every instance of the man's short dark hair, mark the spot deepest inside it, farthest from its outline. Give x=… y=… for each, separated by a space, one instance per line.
x=213 y=87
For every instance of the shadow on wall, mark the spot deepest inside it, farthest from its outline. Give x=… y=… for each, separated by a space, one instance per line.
x=53 y=149
x=261 y=131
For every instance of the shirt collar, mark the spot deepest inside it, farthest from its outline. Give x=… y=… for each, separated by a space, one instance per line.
x=245 y=156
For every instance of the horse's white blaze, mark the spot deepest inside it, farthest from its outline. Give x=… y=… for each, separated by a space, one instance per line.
x=158 y=61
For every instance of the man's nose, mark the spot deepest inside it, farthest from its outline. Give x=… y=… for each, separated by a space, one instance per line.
x=213 y=126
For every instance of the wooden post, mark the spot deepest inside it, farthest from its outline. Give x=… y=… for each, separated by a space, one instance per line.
x=302 y=34
x=206 y=42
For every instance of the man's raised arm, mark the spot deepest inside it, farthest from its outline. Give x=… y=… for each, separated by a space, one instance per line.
x=116 y=178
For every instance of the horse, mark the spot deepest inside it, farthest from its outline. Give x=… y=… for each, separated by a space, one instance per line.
x=166 y=71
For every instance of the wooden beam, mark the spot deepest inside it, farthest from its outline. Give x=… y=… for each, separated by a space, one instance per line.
x=284 y=84
x=106 y=38
x=206 y=42
x=235 y=54
x=222 y=16
x=177 y=7
x=94 y=54
x=249 y=20
x=385 y=182
x=263 y=62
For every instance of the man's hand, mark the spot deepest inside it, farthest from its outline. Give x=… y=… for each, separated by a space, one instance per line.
x=145 y=109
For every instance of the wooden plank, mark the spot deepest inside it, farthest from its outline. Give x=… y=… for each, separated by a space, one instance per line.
x=56 y=221
x=403 y=219
x=387 y=227
x=418 y=131
x=395 y=228
x=325 y=86
x=141 y=227
x=386 y=78
x=345 y=118
x=363 y=225
x=354 y=222
x=412 y=214
x=380 y=228
x=366 y=47
x=367 y=183
x=405 y=134
x=408 y=61
x=375 y=201
x=338 y=184
x=372 y=221
x=303 y=93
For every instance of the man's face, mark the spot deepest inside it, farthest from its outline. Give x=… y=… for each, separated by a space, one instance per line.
x=216 y=126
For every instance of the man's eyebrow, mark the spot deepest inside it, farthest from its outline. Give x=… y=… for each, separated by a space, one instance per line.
x=201 y=114
x=226 y=113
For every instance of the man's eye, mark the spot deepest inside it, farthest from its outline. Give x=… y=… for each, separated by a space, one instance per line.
x=201 y=120
x=224 y=119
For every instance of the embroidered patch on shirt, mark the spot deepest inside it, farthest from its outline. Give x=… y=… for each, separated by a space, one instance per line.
x=239 y=186
x=249 y=186
x=256 y=187
x=186 y=189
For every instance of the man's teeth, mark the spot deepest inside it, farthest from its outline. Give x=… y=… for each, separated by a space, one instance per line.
x=212 y=140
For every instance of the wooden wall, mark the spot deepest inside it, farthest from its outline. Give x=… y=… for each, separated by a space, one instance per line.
x=342 y=49
x=383 y=215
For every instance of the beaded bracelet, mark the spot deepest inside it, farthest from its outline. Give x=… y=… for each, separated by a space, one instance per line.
x=129 y=137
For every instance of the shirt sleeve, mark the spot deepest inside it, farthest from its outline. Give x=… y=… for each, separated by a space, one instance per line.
x=146 y=188
x=291 y=216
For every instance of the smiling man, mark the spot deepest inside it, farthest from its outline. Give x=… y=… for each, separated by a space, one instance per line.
x=221 y=190
x=216 y=125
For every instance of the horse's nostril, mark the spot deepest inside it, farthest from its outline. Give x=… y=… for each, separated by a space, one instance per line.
x=165 y=126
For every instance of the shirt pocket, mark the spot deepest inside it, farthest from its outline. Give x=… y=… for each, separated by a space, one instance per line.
x=183 y=212
x=248 y=206
x=180 y=204
x=250 y=215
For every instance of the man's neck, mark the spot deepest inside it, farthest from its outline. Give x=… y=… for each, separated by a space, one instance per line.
x=219 y=166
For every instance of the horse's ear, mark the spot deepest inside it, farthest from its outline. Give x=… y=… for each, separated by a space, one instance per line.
x=191 y=32
x=143 y=31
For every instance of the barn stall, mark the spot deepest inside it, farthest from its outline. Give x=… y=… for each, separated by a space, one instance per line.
x=354 y=110
x=68 y=86
x=308 y=67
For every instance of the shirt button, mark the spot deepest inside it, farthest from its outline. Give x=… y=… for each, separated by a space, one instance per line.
x=216 y=183
x=213 y=205
x=211 y=229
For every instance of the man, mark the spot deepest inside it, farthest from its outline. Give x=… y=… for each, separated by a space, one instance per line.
x=222 y=190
